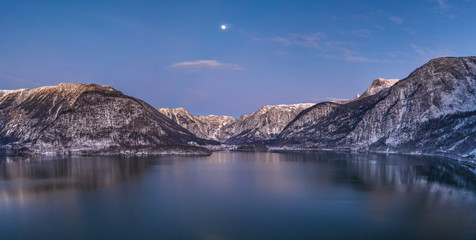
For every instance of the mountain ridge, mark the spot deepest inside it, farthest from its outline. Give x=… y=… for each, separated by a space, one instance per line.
x=79 y=117
x=431 y=110
x=454 y=81
x=257 y=127
x=210 y=127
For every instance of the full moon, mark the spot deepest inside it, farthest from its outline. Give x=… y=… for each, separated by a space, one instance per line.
x=223 y=27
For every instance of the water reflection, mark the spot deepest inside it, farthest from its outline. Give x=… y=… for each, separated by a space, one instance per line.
x=27 y=175
x=24 y=176
x=368 y=171
x=235 y=195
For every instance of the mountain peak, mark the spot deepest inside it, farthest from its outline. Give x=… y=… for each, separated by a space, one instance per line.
x=5 y=92
x=266 y=123
x=286 y=106
x=456 y=66
x=174 y=111
x=432 y=110
x=212 y=127
x=63 y=87
x=446 y=60
x=85 y=117
x=378 y=85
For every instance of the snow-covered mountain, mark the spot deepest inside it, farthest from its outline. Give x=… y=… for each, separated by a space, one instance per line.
x=432 y=110
x=265 y=124
x=79 y=117
x=5 y=92
x=212 y=127
x=378 y=85
x=260 y=126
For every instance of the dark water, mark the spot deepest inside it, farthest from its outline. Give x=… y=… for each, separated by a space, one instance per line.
x=237 y=196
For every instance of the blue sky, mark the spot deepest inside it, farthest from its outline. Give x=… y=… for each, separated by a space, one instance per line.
x=175 y=54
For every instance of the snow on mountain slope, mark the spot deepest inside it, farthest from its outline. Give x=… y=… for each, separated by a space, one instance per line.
x=433 y=109
x=5 y=92
x=326 y=124
x=262 y=125
x=378 y=85
x=266 y=123
x=78 y=117
x=212 y=127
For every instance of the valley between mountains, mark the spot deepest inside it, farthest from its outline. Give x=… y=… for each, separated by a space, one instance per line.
x=432 y=111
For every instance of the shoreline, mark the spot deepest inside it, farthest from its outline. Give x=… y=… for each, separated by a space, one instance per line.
x=209 y=149
x=467 y=161
x=180 y=150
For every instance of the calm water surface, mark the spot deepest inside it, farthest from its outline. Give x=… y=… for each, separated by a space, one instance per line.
x=237 y=196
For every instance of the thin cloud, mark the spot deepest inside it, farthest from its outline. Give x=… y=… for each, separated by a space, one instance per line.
x=205 y=65
x=444 y=8
x=443 y=5
x=358 y=59
x=363 y=33
x=396 y=20
x=18 y=79
x=304 y=40
x=324 y=47
x=344 y=53
x=430 y=53
x=281 y=40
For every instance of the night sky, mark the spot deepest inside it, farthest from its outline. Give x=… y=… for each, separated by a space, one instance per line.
x=176 y=54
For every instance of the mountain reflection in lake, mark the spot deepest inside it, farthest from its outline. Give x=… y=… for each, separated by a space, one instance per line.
x=237 y=196
x=42 y=174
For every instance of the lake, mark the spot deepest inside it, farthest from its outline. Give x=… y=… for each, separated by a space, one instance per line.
x=237 y=195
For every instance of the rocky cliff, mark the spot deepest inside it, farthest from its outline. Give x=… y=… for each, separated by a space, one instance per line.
x=258 y=127
x=88 y=118
x=212 y=127
x=432 y=110
x=378 y=85
x=265 y=124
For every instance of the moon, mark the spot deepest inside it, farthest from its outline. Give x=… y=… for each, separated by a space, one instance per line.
x=223 y=27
